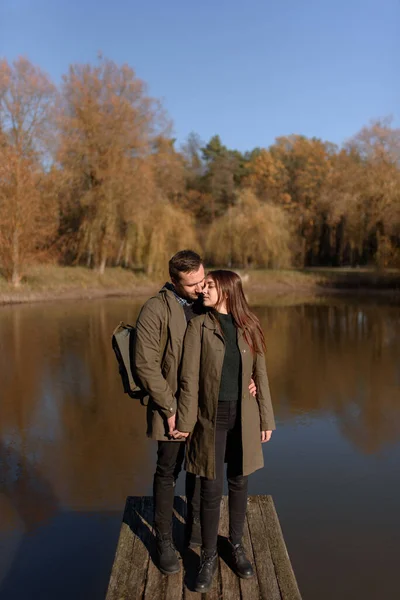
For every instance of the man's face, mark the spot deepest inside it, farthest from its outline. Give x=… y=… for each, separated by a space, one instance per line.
x=190 y=285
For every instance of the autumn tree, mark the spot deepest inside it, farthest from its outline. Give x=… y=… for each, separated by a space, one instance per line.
x=224 y=169
x=191 y=153
x=267 y=177
x=379 y=149
x=251 y=234
x=107 y=123
x=307 y=164
x=362 y=198
x=168 y=169
x=28 y=214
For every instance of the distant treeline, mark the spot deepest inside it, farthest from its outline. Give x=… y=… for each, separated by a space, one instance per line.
x=89 y=174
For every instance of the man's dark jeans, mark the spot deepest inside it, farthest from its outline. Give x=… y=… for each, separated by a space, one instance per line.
x=170 y=456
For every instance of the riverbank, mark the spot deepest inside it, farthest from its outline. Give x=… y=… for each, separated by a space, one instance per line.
x=49 y=283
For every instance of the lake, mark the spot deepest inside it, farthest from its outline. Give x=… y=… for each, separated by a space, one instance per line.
x=73 y=446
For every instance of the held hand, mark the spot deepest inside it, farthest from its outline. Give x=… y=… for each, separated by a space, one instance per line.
x=265 y=436
x=171 y=424
x=252 y=388
x=177 y=435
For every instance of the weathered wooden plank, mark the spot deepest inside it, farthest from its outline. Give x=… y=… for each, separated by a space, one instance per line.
x=155 y=580
x=229 y=580
x=125 y=553
x=268 y=584
x=283 y=568
x=138 y=573
x=155 y=583
x=249 y=588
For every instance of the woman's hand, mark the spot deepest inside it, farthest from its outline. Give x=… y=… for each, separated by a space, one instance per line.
x=176 y=434
x=265 y=436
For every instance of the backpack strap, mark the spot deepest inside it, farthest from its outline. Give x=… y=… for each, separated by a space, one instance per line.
x=164 y=333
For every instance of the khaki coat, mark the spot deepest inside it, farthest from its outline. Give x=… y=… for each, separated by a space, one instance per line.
x=157 y=369
x=203 y=357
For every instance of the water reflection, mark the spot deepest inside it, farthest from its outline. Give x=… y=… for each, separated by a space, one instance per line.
x=62 y=409
x=341 y=359
x=72 y=446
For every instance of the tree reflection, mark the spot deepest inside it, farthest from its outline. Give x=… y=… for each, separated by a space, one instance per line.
x=340 y=358
x=63 y=406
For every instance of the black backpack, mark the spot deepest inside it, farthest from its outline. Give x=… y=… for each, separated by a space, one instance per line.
x=123 y=340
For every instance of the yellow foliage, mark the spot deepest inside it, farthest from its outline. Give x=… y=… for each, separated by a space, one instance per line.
x=251 y=233
x=160 y=233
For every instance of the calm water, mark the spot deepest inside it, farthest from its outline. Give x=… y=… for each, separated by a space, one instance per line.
x=72 y=446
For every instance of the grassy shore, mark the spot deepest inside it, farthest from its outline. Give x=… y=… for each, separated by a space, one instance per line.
x=49 y=282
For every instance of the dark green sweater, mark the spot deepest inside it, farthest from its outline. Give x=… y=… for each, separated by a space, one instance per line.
x=229 y=390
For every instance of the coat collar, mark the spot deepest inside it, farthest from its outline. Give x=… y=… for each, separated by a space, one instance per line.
x=176 y=310
x=209 y=322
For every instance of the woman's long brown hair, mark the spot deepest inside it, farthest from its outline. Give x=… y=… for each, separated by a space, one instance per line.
x=229 y=288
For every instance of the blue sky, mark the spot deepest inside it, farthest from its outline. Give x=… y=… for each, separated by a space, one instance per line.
x=249 y=71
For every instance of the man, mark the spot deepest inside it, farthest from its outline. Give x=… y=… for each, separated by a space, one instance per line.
x=165 y=317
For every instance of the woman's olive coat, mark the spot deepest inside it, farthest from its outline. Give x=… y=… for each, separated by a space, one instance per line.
x=203 y=356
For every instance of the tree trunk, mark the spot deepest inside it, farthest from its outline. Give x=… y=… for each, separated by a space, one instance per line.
x=119 y=255
x=127 y=260
x=16 y=275
x=102 y=266
x=89 y=253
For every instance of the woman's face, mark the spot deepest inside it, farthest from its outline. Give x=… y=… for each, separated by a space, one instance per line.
x=210 y=293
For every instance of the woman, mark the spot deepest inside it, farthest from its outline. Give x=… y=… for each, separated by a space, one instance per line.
x=223 y=350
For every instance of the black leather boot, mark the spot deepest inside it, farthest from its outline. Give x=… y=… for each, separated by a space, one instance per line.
x=242 y=565
x=167 y=560
x=193 y=532
x=208 y=567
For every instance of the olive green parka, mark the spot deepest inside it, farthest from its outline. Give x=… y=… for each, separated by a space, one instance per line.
x=162 y=317
x=203 y=357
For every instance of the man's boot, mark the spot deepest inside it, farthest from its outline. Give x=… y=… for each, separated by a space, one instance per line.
x=208 y=567
x=167 y=560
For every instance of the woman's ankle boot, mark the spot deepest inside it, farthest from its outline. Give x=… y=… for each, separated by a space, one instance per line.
x=242 y=565
x=208 y=567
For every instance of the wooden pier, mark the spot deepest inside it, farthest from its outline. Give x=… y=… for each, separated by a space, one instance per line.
x=134 y=575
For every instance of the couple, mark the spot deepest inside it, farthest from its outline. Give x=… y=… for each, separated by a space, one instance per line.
x=201 y=388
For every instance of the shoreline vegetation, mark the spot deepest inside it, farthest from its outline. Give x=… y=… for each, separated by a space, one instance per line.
x=91 y=176
x=50 y=283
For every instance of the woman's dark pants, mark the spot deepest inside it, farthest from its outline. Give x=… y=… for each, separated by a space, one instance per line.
x=228 y=443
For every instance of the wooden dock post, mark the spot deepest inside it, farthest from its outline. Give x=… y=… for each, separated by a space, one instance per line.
x=134 y=575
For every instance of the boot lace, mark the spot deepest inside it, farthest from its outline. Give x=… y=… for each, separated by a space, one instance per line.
x=207 y=560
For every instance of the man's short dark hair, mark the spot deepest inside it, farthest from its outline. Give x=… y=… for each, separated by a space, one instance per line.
x=184 y=261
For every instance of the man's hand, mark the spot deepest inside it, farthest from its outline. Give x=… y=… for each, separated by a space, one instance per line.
x=177 y=435
x=171 y=424
x=252 y=388
x=265 y=436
